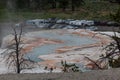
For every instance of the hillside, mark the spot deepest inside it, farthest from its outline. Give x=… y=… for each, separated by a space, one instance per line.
x=96 y=10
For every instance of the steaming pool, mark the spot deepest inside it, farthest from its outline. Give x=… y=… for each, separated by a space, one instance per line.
x=67 y=38
x=50 y=47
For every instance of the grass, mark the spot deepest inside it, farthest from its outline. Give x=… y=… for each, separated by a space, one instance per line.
x=91 y=10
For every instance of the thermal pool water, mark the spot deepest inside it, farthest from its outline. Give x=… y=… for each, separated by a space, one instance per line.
x=67 y=38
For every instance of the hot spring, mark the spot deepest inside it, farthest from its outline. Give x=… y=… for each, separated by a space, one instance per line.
x=67 y=38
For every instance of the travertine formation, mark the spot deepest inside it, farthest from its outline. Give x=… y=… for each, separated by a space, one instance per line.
x=71 y=54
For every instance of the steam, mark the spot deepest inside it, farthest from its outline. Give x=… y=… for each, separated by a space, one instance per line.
x=6 y=27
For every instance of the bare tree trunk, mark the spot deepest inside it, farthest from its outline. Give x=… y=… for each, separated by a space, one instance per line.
x=17 y=38
x=15 y=58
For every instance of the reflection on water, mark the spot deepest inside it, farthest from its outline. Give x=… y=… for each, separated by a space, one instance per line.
x=69 y=40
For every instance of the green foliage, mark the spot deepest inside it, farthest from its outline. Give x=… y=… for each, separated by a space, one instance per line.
x=69 y=67
x=63 y=4
x=114 y=1
x=76 y=3
x=90 y=10
x=114 y=63
x=116 y=16
x=23 y=3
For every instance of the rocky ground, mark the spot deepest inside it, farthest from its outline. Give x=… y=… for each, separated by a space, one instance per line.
x=112 y=74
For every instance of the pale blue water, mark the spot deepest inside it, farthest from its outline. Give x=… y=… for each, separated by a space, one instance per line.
x=69 y=40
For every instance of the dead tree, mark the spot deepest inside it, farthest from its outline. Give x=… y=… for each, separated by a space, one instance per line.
x=112 y=54
x=15 y=57
x=96 y=63
x=113 y=51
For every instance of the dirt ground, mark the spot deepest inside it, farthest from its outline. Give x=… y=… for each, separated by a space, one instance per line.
x=112 y=74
